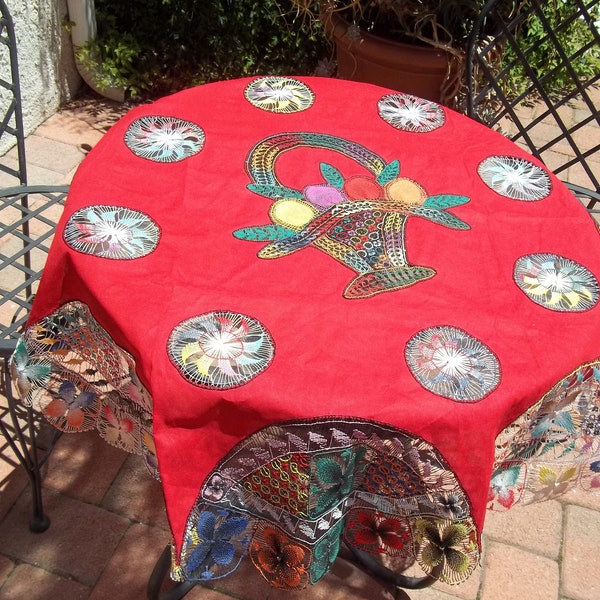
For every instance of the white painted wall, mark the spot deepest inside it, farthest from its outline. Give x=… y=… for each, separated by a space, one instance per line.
x=47 y=67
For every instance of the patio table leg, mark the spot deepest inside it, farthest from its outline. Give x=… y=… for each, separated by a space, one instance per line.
x=159 y=575
x=378 y=571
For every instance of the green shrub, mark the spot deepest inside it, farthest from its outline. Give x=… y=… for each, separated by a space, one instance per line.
x=154 y=47
x=545 y=60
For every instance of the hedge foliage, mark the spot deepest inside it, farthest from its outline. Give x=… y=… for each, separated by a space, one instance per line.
x=153 y=47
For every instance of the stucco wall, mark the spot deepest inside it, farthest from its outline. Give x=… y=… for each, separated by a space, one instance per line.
x=47 y=68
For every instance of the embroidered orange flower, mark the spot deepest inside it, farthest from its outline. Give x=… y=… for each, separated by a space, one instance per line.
x=281 y=561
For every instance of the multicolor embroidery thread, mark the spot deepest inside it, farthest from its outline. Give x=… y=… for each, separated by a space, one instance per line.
x=556 y=282
x=359 y=220
x=279 y=94
x=220 y=349
x=451 y=363
x=112 y=232
x=164 y=139
x=335 y=465
x=515 y=178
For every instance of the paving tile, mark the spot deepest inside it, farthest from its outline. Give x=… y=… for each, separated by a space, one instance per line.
x=13 y=479
x=52 y=155
x=33 y=583
x=80 y=541
x=200 y=593
x=6 y=567
x=345 y=581
x=582 y=497
x=431 y=594
x=246 y=584
x=6 y=179
x=36 y=174
x=83 y=466
x=96 y=111
x=576 y=173
x=512 y=573
x=137 y=495
x=581 y=557
x=468 y=590
x=587 y=137
x=127 y=573
x=535 y=527
x=67 y=129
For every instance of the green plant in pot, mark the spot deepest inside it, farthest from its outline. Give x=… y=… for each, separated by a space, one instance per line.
x=416 y=46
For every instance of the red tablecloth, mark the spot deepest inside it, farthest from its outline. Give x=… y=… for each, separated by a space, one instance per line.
x=322 y=310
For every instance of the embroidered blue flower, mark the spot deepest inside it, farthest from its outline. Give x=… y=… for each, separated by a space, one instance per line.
x=215 y=543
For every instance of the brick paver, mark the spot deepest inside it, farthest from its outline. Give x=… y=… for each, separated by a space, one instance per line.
x=126 y=574
x=580 y=562
x=33 y=583
x=511 y=573
x=538 y=527
x=80 y=541
x=6 y=567
x=74 y=459
x=136 y=495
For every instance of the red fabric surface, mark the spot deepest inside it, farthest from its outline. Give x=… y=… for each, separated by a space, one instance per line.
x=333 y=355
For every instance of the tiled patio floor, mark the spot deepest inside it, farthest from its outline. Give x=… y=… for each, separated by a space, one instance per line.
x=108 y=520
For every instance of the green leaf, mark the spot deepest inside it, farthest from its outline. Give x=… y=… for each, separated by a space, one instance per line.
x=263 y=233
x=445 y=201
x=440 y=216
x=20 y=356
x=454 y=534
x=274 y=191
x=389 y=173
x=329 y=471
x=564 y=419
x=332 y=175
x=457 y=561
x=431 y=555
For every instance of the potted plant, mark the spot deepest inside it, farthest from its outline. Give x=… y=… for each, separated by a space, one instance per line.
x=416 y=46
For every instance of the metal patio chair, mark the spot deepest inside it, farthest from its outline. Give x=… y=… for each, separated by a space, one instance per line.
x=502 y=78
x=28 y=216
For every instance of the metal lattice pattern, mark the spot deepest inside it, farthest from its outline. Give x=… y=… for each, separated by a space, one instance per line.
x=28 y=217
x=557 y=131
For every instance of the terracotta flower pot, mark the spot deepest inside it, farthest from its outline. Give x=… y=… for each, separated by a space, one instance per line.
x=361 y=56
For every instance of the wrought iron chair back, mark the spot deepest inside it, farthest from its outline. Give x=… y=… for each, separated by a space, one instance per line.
x=28 y=217
x=507 y=71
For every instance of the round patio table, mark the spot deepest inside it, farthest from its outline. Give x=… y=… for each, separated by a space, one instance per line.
x=322 y=311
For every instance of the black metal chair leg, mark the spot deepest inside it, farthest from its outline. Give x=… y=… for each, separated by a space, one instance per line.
x=26 y=453
x=158 y=576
